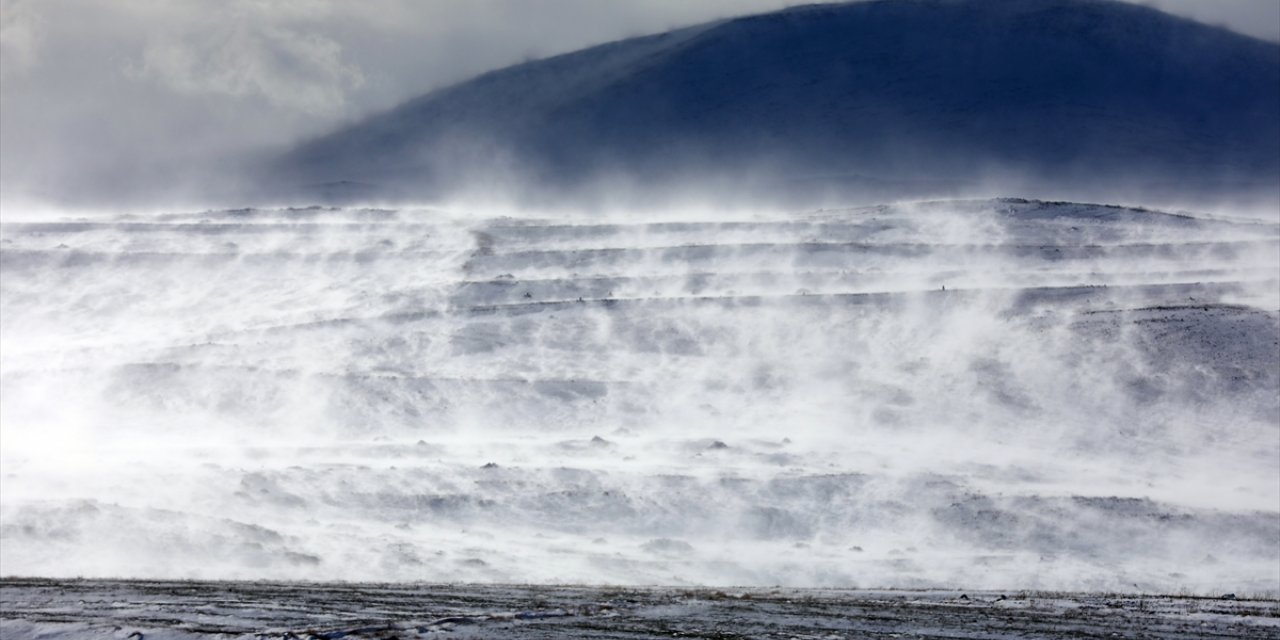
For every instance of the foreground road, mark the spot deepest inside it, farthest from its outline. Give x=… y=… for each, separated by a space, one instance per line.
x=34 y=608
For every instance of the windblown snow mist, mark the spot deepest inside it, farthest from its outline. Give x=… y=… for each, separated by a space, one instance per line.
x=1001 y=394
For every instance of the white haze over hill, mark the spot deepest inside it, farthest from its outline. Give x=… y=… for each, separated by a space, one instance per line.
x=991 y=394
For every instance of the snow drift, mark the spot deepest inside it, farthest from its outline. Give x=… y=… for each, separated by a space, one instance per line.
x=998 y=393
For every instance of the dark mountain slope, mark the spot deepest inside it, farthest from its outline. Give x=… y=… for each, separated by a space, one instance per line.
x=893 y=92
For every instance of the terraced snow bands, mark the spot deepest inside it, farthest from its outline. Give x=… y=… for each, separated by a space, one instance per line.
x=997 y=394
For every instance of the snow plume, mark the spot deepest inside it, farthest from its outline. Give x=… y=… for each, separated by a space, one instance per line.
x=1000 y=394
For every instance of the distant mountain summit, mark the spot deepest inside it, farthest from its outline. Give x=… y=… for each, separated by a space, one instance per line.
x=895 y=97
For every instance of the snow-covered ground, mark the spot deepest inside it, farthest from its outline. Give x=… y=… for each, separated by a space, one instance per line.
x=996 y=394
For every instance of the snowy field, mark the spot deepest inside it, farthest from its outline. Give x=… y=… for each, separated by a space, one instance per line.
x=995 y=395
x=52 y=610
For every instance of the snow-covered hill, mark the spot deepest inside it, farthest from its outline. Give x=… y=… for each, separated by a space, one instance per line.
x=996 y=393
x=868 y=100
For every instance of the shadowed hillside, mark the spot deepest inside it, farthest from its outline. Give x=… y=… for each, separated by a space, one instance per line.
x=877 y=99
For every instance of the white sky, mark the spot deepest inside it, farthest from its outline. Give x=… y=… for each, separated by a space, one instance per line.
x=97 y=93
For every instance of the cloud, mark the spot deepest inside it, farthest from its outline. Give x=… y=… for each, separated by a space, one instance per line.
x=290 y=69
x=1257 y=18
x=20 y=34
